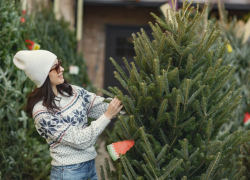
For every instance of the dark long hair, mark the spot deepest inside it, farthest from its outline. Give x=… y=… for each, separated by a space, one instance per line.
x=46 y=94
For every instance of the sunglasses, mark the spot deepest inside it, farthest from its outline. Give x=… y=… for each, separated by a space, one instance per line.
x=57 y=67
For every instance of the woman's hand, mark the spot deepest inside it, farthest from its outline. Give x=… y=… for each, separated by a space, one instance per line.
x=114 y=108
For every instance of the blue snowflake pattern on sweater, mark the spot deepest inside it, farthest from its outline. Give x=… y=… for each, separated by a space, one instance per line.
x=81 y=92
x=47 y=127
x=67 y=131
x=87 y=98
x=70 y=120
x=79 y=115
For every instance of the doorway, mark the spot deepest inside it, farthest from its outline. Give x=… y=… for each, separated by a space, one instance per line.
x=119 y=44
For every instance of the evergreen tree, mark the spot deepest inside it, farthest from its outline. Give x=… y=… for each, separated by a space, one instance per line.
x=239 y=57
x=175 y=107
x=23 y=153
x=236 y=55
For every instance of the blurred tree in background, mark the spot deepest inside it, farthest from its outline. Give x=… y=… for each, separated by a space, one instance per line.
x=237 y=55
x=23 y=153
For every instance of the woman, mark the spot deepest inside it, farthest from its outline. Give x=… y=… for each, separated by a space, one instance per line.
x=60 y=113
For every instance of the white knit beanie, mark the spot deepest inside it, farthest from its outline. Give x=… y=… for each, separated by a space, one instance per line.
x=35 y=63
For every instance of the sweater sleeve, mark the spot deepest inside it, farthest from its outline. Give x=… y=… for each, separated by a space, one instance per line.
x=95 y=105
x=57 y=130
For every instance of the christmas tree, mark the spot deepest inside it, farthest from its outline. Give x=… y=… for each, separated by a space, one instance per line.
x=238 y=55
x=175 y=107
x=24 y=154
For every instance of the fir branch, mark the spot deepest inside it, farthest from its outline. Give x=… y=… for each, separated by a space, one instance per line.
x=130 y=167
x=124 y=177
x=136 y=73
x=186 y=93
x=144 y=89
x=194 y=154
x=125 y=167
x=146 y=39
x=163 y=136
x=160 y=86
x=171 y=41
x=170 y=168
x=195 y=19
x=147 y=172
x=184 y=146
x=113 y=91
x=119 y=69
x=147 y=143
x=106 y=92
x=150 y=165
x=119 y=78
x=136 y=134
x=209 y=129
x=185 y=7
x=165 y=78
x=163 y=108
x=192 y=98
x=207 y=75
x=186 y=123
x=127 y=65
x=201 y=44
x=139 y=63
x=199 y=110
x=107 y=168
x=223 y=48
x=172 y=74
x=111 y=136
x=212 y=166
x=102 y=173
x=125 y=127
x=120 y=172
x=156 y=68
x=162 y=153
x=163 y=24
x=184 y=178
x=223 y=82
x=156 y=32
x=176 y=111
x=162 y=43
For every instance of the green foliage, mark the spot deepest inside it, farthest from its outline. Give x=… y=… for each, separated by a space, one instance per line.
x=177 y=104
x=240 y=58
x=23 y=153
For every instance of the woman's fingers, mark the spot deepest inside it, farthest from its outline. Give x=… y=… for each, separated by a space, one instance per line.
x=114 y=108
x=116 y=101
x=120 y=108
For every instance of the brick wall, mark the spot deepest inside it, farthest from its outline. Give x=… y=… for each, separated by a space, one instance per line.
x=93 y=41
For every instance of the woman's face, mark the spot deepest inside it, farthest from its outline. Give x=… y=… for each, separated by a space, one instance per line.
x=55 y=77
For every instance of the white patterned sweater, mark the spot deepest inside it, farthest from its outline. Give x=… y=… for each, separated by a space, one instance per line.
x=70 y=138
